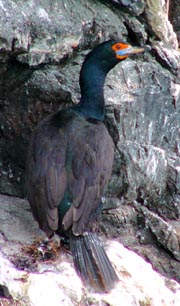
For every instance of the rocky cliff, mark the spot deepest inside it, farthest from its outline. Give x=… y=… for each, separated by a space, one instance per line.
x=42 y=46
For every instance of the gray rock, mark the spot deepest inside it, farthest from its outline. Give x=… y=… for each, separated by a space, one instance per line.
x=166 y=233
x=56 y=282
x=137 y=28
x=42 y=45
x=144 y=232
x=134 y=7
x=157 y=17
x=174 y=13
x=144 y=123
x=16 y=222
x=168 y=58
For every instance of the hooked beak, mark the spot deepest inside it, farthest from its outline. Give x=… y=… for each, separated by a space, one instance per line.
x=132 y=50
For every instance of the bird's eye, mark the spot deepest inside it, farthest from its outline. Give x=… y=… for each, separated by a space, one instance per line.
x=118 y=46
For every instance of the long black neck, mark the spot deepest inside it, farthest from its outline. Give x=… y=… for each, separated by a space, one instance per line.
x=92 y=79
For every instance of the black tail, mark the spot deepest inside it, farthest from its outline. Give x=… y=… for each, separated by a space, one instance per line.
x=92 y=263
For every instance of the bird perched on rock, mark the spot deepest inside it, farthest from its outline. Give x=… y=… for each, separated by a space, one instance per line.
x=69 y=164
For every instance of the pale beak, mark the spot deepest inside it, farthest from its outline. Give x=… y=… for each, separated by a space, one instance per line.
x=132 y=50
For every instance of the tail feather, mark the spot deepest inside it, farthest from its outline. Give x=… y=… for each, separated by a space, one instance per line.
x=92 y=263
x=77 y=251
x=99 y=255
x=105 y=264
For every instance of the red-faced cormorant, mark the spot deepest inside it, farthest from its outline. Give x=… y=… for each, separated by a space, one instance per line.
x=69 y=164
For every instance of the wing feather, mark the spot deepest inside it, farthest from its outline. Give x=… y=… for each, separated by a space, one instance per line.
x=46 y=174
x=90 y=170
x=74 y=159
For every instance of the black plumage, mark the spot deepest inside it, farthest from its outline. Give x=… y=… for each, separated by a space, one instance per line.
x=69 y=164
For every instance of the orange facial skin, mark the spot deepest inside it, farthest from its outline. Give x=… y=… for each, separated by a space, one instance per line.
x=120 y=46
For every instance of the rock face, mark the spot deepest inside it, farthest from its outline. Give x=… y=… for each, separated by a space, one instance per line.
x=174 y=13
x=55 y=282
x=42 y=45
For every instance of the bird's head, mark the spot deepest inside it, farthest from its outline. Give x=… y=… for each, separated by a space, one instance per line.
x=95 y=68
x=107 y=54
x=120 y=50
x=123 y=50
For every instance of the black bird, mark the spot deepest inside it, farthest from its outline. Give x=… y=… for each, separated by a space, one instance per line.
x=69 y=164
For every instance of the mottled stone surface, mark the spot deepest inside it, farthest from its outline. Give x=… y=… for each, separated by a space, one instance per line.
x=55 y=282
x=174 y=16
x=157 y=16
x=141 y=230
x=133 y=7
x=42 y=46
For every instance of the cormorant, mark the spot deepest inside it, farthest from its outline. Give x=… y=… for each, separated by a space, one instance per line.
x=69 y=164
